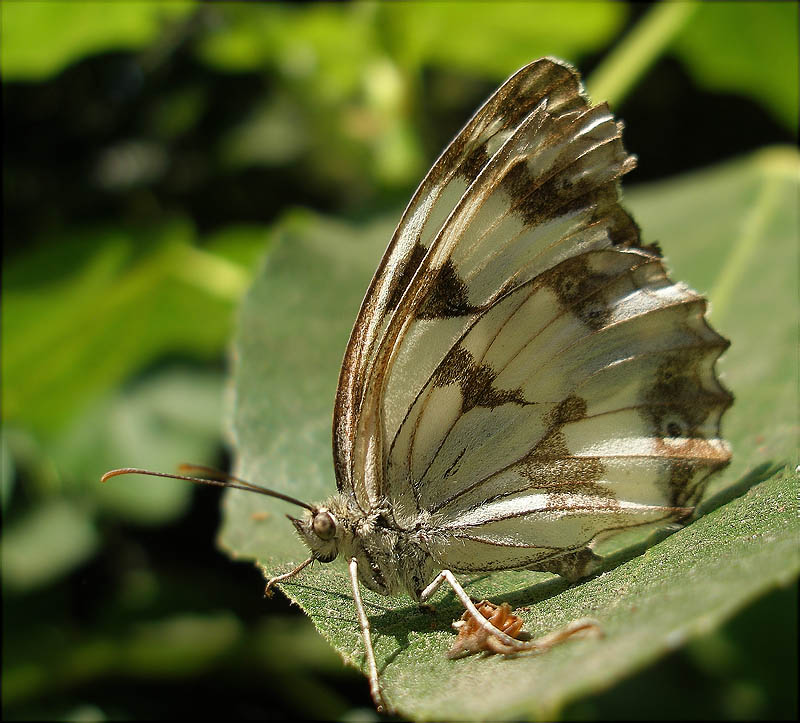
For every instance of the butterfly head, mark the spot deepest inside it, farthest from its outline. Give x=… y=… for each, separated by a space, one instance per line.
x=319 y=530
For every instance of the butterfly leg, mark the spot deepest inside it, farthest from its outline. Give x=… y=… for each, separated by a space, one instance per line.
x=288 y=576
x=447 y=576
x=509 y=645
x=372 y=667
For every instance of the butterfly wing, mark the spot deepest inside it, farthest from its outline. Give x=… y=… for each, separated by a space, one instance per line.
x=428 y=209
x=524 y=376
x=590 y=415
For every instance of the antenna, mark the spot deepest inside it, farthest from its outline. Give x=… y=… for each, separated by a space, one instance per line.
x=226 y=480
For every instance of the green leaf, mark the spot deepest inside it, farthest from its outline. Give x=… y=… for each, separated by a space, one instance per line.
x=162 y=648
x=42 y=38
x=7 y=470
x=45 y=543
x=631 y=57
x=339 y=42
x=749 y=48
x=488 y=38
x=730 y=231
x=328 y=40
x=86 y=310
x=347 y=75
x=168 y=417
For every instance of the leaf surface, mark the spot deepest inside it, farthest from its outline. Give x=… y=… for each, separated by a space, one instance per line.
x=728 y=231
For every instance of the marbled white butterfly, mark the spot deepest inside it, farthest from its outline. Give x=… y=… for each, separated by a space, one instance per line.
x=523 y=379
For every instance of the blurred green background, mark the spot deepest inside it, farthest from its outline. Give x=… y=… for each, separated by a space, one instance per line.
x=150 y=151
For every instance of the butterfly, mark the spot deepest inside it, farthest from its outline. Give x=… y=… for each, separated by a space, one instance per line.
x=523 y=379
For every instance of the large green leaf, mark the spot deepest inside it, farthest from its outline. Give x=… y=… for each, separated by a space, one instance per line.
x=730 y=231
x=488 y=38
x=347 y=74
x=85 y=310
x=79 y=315
x=170 y=414
x=749 y=48
x=41 y=38
x=53 y=537
x=338 y=42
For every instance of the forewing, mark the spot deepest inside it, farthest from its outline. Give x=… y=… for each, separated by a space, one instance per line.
x=431 y=205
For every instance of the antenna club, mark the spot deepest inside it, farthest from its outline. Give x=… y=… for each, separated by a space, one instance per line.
x=117 y=472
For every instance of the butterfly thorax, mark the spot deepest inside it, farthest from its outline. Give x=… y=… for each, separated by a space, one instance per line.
x=391 y=560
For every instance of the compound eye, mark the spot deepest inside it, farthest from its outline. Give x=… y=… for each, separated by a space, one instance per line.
x=324 y=525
